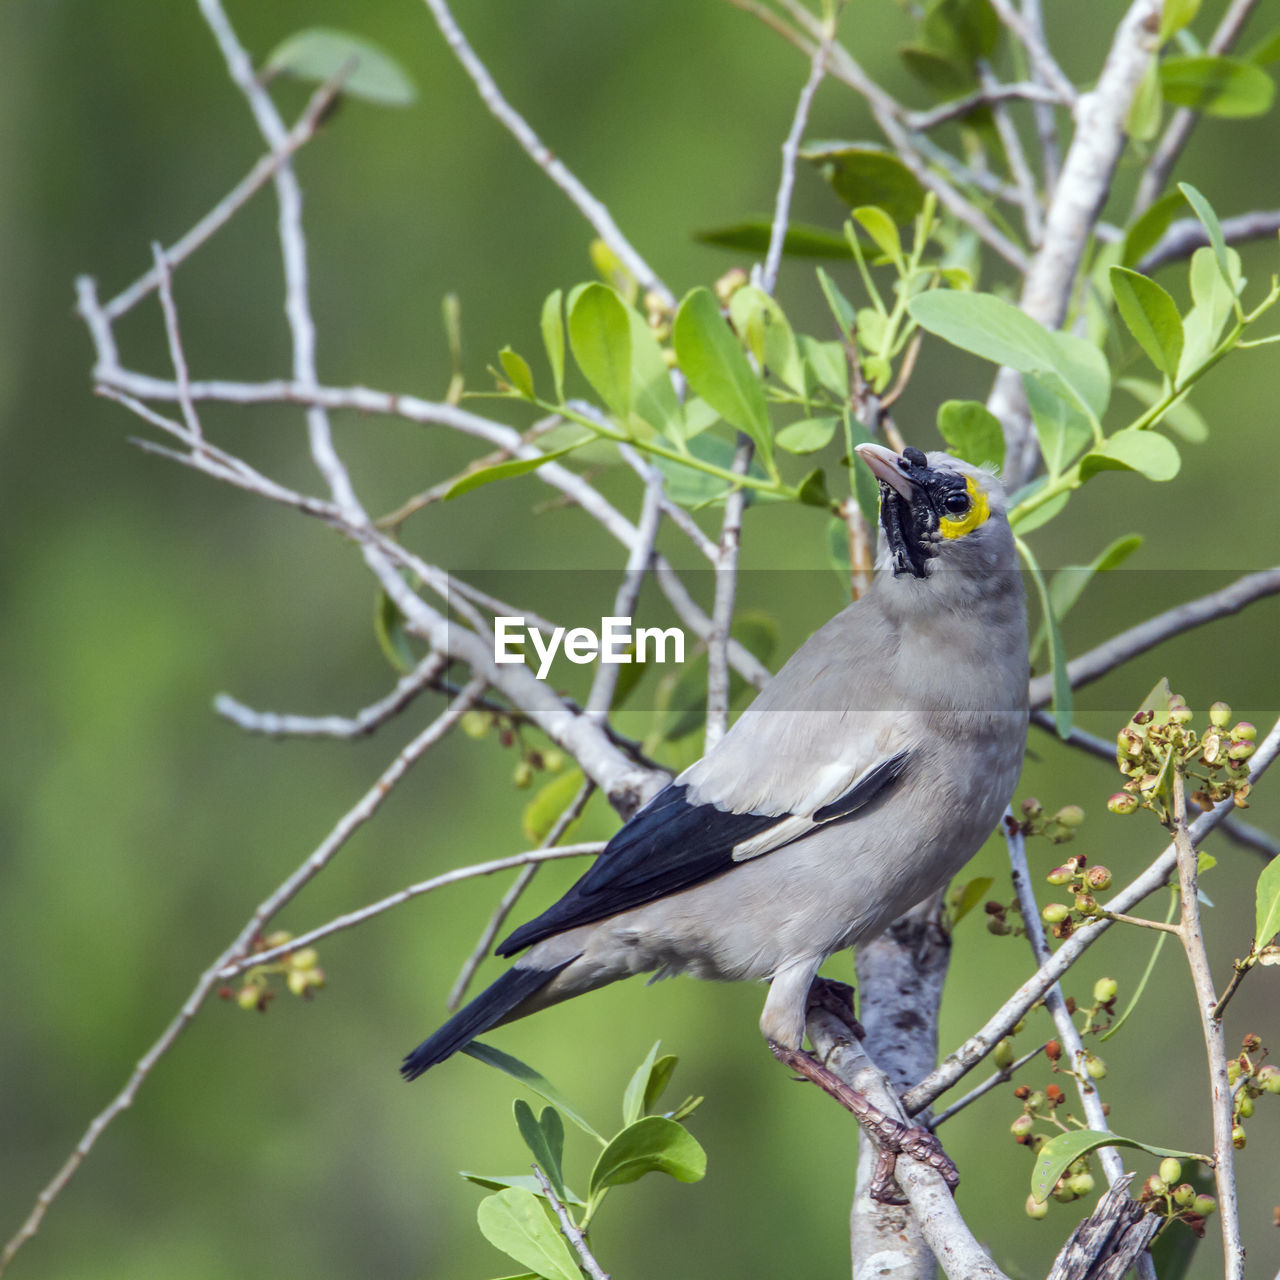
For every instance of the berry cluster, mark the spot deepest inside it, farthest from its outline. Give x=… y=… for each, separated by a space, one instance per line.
x=1166 y=1194
x=300 y=970
x=1148 y=746
x=1249 y=1079
x=479 y=724
x=1083 y=881
x=1057 y=828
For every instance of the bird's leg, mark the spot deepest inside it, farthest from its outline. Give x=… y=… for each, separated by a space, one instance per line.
x=892 y=1136
x=837 y=999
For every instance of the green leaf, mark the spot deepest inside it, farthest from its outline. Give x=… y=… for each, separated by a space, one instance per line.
x=515 y=1222
x=505 y=471
x=862 y=174
x=659 y=1078
x=972 y=432
x=1176 y=14
x=1213 y=298
x=531 y=1080
x=1152 y=318
x=752 y=236
x=1002 y=333
x=320 y=53
x=882 y=229
x=1154 y=455
x=1143 y=121
x=1058 y=1153
x=717 y=369
x=1025 y=523
x=1217 y=85
x=548 y=803
x=1267 y=50
x=393 y=639
x=1209 y=220
x=828 y=364
x=544 y=1136
x=553 y=338
x=1146 y=231
x=966 y=898
x=808 y=435
x=841 y=308
x=692 y=488
x=1062 y=696
x=600 y=338
x=812 y=490
x=1182 y=415
x=653 y=397
x=633 y=1099
x=519 y=375
x=761 y=324
x=1062 y=429
x=1268 y=917
x=496 y=1182
x=962 y=30
x=942 y=74
x=652 y=1145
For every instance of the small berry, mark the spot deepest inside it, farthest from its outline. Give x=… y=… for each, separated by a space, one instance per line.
x=1070 y=815
x=1154 y=1187
x=1022 y=1092
x=1055 y=913
x=1098 y=878
x=1122 y=804
x=1245 y=731
x=522 y=775
x=1086 y=904
x=1244 y=1106
x=1002 y=1056
x=1053 y=1051
x=1105 y=990
x=1031 y=808
x=1037 y=1209
x=1060 y=876
x=1204 y=1205
x=1269 y=1078
x=1081 y=1183
x=1184 y=1195
x=1241 y=749
x=1220 y=715
x=1170 y=1170
x=1238 y=1137
x=1053 y=1092
x=1094 y=1067
x=1022 y=1126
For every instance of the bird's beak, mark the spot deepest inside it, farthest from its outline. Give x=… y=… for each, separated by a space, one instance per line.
x=887 y=467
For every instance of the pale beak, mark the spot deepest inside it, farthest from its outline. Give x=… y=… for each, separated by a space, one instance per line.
x=888 y=467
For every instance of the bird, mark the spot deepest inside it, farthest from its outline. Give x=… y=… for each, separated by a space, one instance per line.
x=868 y=770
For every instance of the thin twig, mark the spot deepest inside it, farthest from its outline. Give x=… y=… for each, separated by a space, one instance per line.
x=1214 y=1042
x=1046 y=124
x=555 y=169
x=991 y=93
x=324 y=853
x=1187 y=235
x=173 y=335
x=570 y=1229
x=1146 y=635
x=364 y=722
x=978 y=1045
x=1185 y=119
x=979 y=1091
x=351 y=918
x=1032 y=40
x=790 y=150
x=722 y=610
x=512 y=896
x=1023 y=178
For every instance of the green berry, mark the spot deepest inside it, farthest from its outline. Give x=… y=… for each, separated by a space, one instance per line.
x=1070 y=815
x=1238 y=1137
x=1095 y=1067
x=1220 y=715
x=1204 y=1205
x=1002 y=1055
x=1170 y=1170
x=522 y=775
x=1245 y=730
x=1055 y=913
x=1105 y=990
x=1122 y=804
x=1060 y=876
x=1240 y=749
x=1037 y=1209
x=1098 y=878
x=1022 y=1126
x=1269 y=1078
x=1244 y=1106
x=1081 y=1183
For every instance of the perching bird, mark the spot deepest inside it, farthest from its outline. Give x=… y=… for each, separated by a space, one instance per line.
x=867 y=772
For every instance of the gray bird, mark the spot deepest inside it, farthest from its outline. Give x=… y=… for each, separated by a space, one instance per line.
x=868 y=771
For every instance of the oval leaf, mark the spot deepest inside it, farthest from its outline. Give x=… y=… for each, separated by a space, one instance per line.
x=519 y=375
x=1217 y=85
x=544 y=1136
x=880 y=227
x=552 y=322
x=861 y=174
x=1058 y=1153
x=600 y=337
x=1209 y=220
x=717 y=369
x=504 y=471
x=972 y=432
x=808 y=435
x=531 y=1079
x=1155 y=456
x=320 y=53
x=515 y=1222
x=652 y=1145
x=1152 y=318
x=633 y=1098
x=752 y=236
x=1268 y=919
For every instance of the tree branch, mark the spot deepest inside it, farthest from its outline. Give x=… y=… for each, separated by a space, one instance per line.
x=722 y=610
x=570 y=1229
x=1146 y=635
x=1186 y=235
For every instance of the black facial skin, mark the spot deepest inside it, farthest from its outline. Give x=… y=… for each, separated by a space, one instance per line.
x=911 y=527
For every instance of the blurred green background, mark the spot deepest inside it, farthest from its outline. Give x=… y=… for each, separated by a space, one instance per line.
x=138 y=829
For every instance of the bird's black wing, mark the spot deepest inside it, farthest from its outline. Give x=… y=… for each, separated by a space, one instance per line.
x=672 y=845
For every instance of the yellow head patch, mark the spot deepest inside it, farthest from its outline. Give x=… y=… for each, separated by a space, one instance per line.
x=979 y=510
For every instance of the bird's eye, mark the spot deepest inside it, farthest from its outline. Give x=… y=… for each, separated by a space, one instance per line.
x=956 y=504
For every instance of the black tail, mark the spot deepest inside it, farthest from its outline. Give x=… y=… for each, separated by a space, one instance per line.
x=485 y=1011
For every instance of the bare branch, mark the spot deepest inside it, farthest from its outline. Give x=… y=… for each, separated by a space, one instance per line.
x=977 y=1046
x=570 y=1229
x=555 y=169
x=988 y=95
x=790 y=150
x=222 y=213
x=1185 y=119
x=407 y=894
x=981 y=1090
x=1032 y=40
x=1018 y=167
x=1046 y=124
x=934 y=1208
x=512 y=896
x=1146 y=635
x=726 y=593
x=1186 y=235
x=324 y=853
x=1215 y=1045
x=174 y=337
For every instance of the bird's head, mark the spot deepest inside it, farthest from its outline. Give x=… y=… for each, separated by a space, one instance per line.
x=939 y=513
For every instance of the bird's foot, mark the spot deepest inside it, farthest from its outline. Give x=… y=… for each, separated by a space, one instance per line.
x=837 y=999
x=892 y=1136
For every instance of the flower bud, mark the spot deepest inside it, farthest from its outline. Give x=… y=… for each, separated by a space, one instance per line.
x=277 y=938
x=1036 y=1209
x=1105 y=990
x=1204 y=1205
x=1055 y=913
x=1220 y=715
x=1094 y=1067
x=1245 y=730
x=1184 y=1195
x=729 y=284
x=1063 y=1194
x=553 y=760
x=1170 y=1170
x=296 y=979
x=1098 y=878
x=1238 y=1137
x=1060 y=876
x=1122 y=804
x=1002 y=1055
